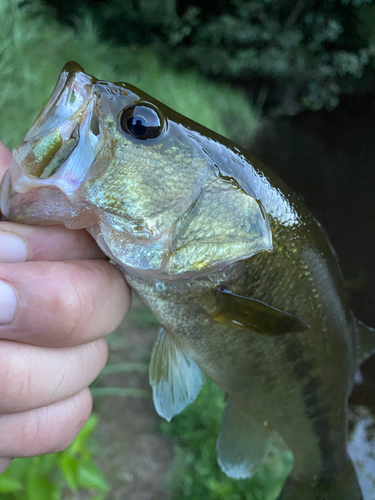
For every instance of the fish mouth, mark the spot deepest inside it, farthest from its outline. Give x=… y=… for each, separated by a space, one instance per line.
x=72 y=91
x=57 y=151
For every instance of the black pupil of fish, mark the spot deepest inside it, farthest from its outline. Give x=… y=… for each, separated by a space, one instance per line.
x=141 y=122
x=137 y=125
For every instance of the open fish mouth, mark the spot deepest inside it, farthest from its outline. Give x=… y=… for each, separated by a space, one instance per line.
x=57 y=151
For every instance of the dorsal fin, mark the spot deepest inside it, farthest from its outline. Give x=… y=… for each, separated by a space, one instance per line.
x=175 y=378
x=366 y=341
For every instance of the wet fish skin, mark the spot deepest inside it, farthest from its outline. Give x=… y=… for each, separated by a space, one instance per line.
x=276 y=379
x=196 y=223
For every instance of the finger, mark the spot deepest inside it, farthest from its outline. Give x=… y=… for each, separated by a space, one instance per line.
x=21 y=243
x=45 y=430
x=4 y=464
x=58 y=304
x=33 y=377
x=5 y=159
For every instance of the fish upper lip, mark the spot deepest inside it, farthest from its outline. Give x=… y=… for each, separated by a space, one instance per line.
x=69 y=176
x=78 y=114
x=74 y=88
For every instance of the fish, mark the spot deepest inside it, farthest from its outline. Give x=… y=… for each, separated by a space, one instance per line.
x=241 y=276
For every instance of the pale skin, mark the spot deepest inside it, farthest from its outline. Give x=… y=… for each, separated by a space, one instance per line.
x=59 y=298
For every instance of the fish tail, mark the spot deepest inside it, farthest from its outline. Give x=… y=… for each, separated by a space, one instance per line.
x=343 y=487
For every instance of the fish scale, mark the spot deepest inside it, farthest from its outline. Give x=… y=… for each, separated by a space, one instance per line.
x=284 y=380
x=241 y=277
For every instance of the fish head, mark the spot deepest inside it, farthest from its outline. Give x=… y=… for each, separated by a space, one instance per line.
x=109 y=158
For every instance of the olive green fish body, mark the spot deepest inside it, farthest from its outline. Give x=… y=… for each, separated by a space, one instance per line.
x=240 y=275
x=276 y=379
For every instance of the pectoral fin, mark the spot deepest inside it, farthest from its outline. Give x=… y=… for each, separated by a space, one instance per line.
x=238 y=311
x=244 y=444
x=175 y=378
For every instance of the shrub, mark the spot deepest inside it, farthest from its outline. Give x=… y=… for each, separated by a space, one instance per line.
x=304 y=54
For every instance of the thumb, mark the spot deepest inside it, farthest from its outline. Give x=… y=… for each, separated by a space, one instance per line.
x=5 y=159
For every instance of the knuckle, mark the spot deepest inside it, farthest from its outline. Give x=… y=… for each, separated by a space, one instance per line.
x=88 y=294
x=73 y=302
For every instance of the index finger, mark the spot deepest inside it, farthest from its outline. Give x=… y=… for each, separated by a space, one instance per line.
x=5 y=159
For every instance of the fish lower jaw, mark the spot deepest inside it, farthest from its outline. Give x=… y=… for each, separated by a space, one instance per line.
x=45 y=205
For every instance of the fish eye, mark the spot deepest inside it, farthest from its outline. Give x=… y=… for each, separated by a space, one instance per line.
x=141 y=121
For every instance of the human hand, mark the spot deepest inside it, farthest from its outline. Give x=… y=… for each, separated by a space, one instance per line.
x=58 y=298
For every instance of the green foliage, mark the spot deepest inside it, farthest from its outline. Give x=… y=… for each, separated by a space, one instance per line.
x=48 y=477
x=33 y=49
x=305 y=53
x=196 y=475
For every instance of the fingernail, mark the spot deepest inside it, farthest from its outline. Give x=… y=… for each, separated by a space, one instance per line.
x=8 y=303
x=12 y=248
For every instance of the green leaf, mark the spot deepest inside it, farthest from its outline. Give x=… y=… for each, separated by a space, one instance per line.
x=69 y=467
x=91 y=477
x=48 y=463
x=79 y=442
x=19 y=469
x=9 y=484
x=39 y=488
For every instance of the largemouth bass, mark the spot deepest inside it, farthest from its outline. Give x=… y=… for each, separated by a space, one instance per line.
x=240 y=275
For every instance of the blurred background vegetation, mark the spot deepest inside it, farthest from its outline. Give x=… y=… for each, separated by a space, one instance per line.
x=34 y=47
x=257 y=72
x=303 y=53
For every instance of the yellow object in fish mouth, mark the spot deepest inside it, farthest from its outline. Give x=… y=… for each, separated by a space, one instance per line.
x=239 y=273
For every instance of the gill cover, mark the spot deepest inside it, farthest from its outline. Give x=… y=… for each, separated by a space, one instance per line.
x=109 y=158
